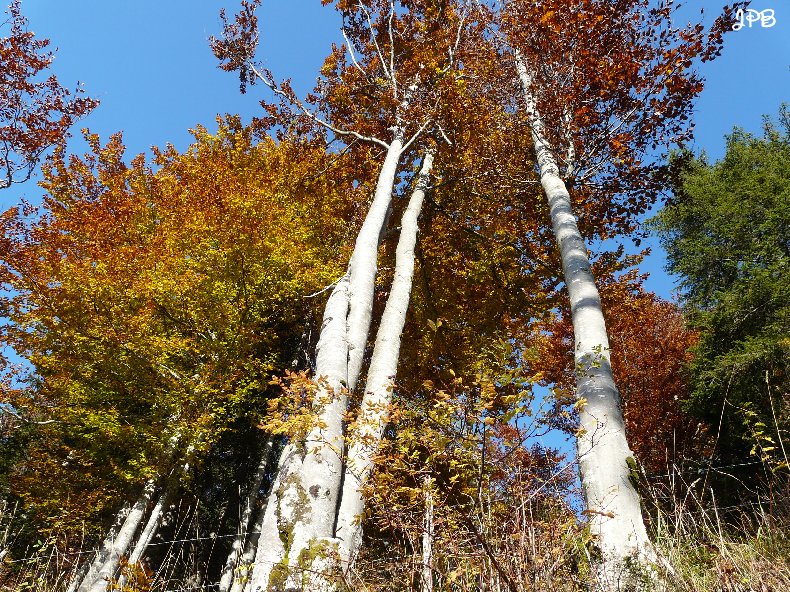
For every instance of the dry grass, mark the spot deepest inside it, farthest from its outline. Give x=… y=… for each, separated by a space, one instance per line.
x=743 y=549
x=704 y=549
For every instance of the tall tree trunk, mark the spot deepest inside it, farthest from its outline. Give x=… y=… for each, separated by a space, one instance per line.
x=148 y=533
x=241 y=576
x=374 y=409
x=105 y=565
x=119 y=539
x=299 y=522
x=364 y=261
x=92 y=567
x=612 y=502
x=245 y=520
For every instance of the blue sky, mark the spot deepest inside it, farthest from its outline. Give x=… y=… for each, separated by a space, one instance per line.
x=150 y=65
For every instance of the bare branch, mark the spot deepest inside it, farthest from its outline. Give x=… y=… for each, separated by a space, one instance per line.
x=350 y=47
x=329 y=287
x=416 y=135
x=387 y=72
x=392 y=50
x=9 y=411
x=267 y=80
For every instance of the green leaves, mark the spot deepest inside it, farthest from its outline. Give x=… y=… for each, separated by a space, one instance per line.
x=727 y=235
x=154 y=305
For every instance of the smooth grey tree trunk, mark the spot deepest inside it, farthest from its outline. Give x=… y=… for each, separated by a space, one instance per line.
x=241 y=576
x=288 y=501
x=92 y=567
x=78 y=576
x=612 y=501
x=364 y=261
x=374 y=410
x=298 y=526
x=151 y=527
x=245 y=520
x=105 y=565
x=148 y=533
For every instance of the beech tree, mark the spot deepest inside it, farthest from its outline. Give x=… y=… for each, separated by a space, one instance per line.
x=458 y=156
x=154 y=310
x=650 y=353
x=380 y=89
x=35 y=112
x=602 y=84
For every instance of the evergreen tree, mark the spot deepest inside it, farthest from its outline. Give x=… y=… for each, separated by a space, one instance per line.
x=727 y=235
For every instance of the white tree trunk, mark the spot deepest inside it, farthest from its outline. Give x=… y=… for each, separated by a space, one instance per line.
x=612 y=501
x=299 y=522
x=245 y=519
x=148 y=533
x=289 y=506
x=151 y=527
x=105 y=565
x=364 y=261
x=241 y=576
x=78 y=576
x=374 y=410
x=92 y=567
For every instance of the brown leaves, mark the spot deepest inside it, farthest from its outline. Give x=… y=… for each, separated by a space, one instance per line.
x=650 y=346
x=614 y=82
x=236 y=49
x=35 y=113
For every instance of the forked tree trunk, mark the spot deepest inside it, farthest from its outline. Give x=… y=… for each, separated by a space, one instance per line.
x=151 y=527
x=364 y=261
x=299 y=522
x=288 y=501
x=612 y=502
x=149 y=531
x=372 y=417
x=245 y=520
x=105 y=565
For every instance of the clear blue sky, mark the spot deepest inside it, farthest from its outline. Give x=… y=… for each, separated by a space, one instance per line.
x=150 y=65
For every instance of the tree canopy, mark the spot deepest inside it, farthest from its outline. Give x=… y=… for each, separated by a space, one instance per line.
x=337 y=324
x=726 y=231
x=35 y=112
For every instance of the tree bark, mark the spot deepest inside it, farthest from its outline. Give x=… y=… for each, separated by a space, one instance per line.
x=364 y=261
x=299 y=522
x=374 y=410
x=612 y=501
x=148 y=533
x=105 y=565
x=245 y=520
x=92 y=567
x=245 y=564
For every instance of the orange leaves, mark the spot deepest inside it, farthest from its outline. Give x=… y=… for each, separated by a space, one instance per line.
x=547 y=17
x=154 y=303
x=649 y=350
x=35 y=113
x=614 y=84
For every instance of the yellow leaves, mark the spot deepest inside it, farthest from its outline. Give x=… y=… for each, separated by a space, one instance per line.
x=152 y=302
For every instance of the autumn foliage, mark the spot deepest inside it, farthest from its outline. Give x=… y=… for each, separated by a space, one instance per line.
x=155 y=303
x=36 y=112
x=168 y=309
x=651 y=345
